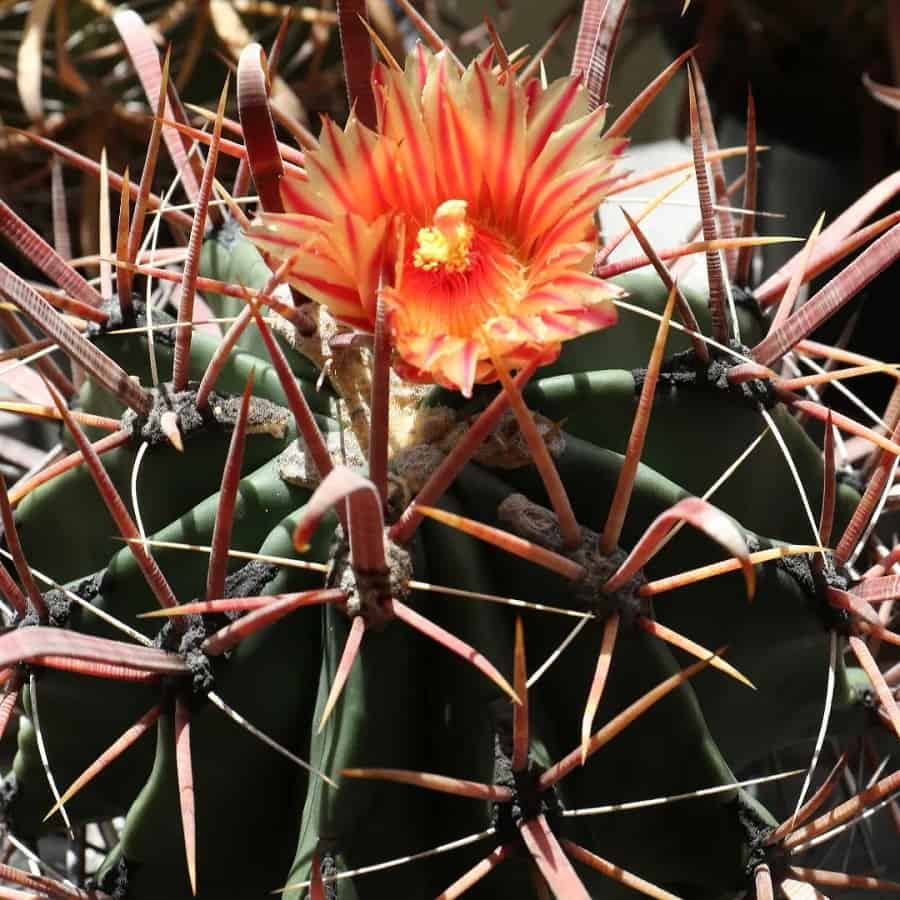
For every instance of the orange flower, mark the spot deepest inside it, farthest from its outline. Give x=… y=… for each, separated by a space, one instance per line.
x=470 y=211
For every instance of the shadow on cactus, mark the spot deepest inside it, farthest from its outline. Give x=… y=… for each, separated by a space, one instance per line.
x=426 y=437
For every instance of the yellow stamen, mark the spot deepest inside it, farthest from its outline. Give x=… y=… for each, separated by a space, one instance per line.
x=446 y=243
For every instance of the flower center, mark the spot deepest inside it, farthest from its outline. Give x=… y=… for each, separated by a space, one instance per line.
x=445 y=244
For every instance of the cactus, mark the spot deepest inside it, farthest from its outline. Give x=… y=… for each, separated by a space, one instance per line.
x=386 y=567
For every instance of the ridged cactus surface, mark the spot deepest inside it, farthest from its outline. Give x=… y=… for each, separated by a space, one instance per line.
x=482 y=540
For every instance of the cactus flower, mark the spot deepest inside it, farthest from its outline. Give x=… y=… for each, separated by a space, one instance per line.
x=469 y=211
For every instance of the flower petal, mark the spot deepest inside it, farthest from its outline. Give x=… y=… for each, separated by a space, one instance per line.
x=469 y=211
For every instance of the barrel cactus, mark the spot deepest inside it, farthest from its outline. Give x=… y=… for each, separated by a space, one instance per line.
x=466 y=559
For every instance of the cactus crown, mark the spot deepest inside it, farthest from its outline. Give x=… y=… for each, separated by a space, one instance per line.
x=433 y=448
